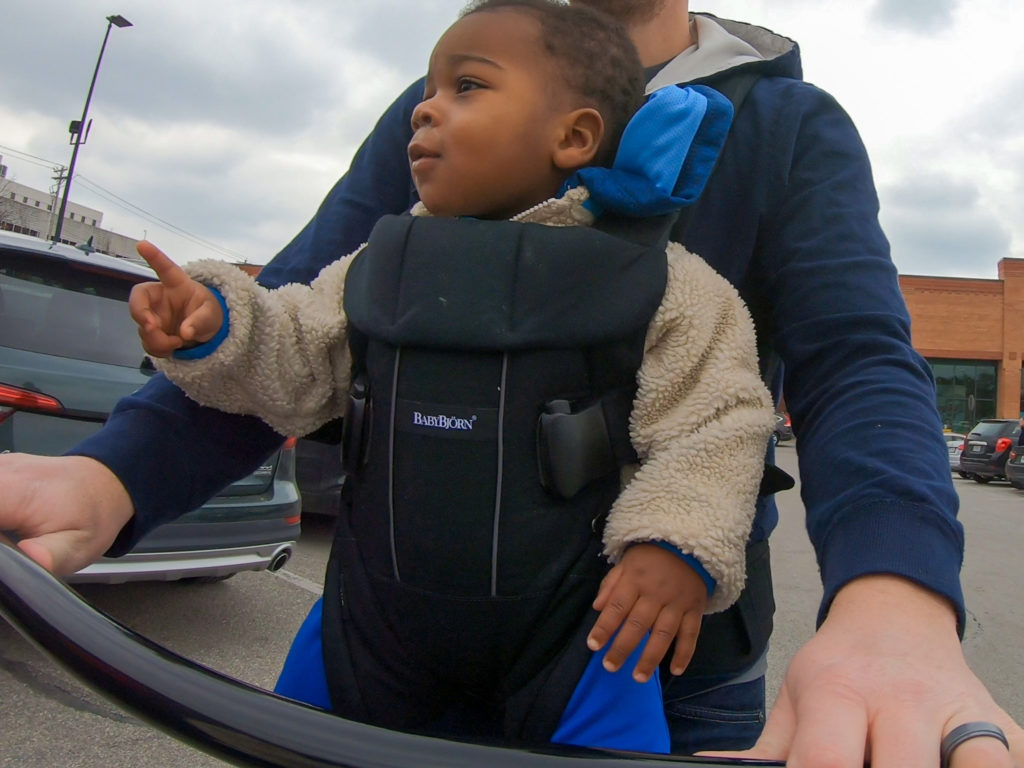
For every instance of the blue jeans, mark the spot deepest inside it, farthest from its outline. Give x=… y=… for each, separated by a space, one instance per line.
x=727 y=717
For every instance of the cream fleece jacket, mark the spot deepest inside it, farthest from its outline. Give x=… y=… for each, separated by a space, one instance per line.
x=700 y=422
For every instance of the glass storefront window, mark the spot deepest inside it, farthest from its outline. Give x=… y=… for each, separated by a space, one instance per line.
x=965 y=391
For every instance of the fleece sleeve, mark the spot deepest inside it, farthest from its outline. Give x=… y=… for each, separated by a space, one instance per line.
x=700 y=425
x=285 y=358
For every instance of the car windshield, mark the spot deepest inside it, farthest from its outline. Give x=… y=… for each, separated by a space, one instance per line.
x=67 y=310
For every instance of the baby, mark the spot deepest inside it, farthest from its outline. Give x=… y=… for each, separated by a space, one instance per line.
x=462 y=344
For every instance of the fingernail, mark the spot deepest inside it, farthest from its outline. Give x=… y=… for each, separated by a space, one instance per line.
x=592 y=644
x=640 y=677
x=609 y=667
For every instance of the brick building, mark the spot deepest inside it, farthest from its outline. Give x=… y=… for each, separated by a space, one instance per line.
x=971 y=331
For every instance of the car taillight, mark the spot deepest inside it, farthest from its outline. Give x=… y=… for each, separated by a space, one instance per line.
x=17 y=399
x=289 y=444
x=1002 y=444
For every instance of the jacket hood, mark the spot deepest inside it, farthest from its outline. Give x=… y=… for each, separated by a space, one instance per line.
x=724 y=45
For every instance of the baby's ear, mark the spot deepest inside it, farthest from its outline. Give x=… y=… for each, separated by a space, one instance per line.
x=580 y=137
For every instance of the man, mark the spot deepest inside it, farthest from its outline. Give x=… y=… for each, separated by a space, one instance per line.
x=790 y=217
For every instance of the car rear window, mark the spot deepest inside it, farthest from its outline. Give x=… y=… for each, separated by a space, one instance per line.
x=993 y=428
x=67 y=310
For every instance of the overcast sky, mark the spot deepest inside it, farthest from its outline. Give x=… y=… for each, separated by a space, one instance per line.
x=218 y=126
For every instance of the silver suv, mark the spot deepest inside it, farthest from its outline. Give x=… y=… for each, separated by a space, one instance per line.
x=68 y=352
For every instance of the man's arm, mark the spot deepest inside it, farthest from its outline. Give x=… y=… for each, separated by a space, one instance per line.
x=855 y=387
x=884 y=678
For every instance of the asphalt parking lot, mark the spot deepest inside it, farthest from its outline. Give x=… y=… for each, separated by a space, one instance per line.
x=243 y=626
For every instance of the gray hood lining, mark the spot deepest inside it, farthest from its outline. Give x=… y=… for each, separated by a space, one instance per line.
x=721 y=44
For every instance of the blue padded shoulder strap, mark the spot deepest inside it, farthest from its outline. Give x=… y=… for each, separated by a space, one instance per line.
x=665 y=156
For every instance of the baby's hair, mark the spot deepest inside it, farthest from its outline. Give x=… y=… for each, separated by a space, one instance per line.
x=595 y=56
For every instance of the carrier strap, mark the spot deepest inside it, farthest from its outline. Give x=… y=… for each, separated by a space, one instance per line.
x=505 y=288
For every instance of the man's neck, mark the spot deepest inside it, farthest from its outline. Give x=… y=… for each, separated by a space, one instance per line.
x=665 y=35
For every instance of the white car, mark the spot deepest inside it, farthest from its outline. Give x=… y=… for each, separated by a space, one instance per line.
x=955 y=446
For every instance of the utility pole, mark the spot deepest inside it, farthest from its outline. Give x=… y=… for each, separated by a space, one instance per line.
x=58 y=179
x=79 y=129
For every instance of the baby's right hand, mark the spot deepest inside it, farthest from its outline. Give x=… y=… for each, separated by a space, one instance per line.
x=175 y=312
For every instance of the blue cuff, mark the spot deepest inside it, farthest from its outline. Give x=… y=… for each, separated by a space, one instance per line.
x=207 y=348
x=691 y=561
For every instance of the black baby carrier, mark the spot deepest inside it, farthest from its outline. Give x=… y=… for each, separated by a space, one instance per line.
x=494 y=369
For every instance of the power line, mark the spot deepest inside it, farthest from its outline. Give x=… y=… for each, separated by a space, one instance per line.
x=124 y=204
x=121 y=202
x=31 y=158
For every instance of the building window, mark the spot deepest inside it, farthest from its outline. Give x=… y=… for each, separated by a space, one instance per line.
x=19 y=229
x=37 y=203
x=965 y=392
x=24 y=199
x=94 y=222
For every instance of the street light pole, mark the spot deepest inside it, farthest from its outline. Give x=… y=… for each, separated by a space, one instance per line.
x=77 y=128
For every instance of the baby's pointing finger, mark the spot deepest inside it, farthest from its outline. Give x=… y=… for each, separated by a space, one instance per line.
x=170 y=274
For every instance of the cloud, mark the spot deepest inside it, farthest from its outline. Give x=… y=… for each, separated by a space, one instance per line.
x=921 y=16
x=233 y=118
x=937 y=225
x=404 y=46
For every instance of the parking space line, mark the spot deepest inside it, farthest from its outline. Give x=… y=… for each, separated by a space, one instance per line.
x=299 y=581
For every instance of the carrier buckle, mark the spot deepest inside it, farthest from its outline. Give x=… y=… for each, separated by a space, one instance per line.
x=355 y=426
x=573 y=447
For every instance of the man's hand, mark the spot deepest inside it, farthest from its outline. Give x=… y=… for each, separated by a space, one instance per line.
x=175 y=312
x=649 y=590
x=66 y=510
x=883 y=681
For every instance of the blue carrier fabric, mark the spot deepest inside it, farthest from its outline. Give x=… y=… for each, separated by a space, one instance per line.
x=494 y=372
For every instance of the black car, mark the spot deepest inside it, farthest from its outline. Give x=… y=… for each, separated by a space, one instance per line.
x=783 y=429
x=987 y=448
x=319 y=475
x=1015 y=467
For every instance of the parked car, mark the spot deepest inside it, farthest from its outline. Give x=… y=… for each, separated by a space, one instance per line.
x=955 y=445
x=68 y=352
x=320 y=477
x=987 y=448
x=783 y=429
x=1015 y=467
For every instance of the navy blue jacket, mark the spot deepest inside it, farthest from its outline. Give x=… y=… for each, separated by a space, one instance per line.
x=790 y=218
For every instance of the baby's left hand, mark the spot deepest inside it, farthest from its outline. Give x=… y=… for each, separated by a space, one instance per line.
x=650 y=589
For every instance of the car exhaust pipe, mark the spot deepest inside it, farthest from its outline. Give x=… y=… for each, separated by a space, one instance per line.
x=279 y=558
x=232 y=720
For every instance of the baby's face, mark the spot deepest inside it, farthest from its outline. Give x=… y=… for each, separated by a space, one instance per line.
x=485 y=131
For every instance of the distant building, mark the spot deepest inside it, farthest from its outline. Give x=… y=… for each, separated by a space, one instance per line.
x=33 y=212
x=971 y=331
